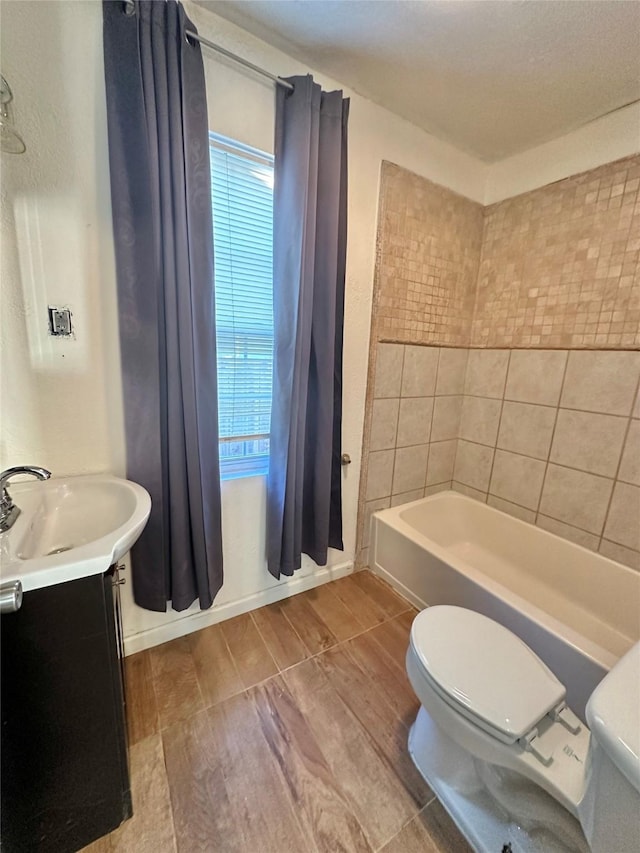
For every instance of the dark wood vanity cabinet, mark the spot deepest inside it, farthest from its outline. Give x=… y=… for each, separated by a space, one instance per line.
x=64 y=773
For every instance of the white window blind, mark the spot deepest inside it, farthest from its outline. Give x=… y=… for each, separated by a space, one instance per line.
x=242 y=199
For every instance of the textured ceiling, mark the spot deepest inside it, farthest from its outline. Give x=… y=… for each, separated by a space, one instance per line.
x=493 y=77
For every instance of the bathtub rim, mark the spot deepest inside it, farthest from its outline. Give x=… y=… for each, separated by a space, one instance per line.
x=392 y=517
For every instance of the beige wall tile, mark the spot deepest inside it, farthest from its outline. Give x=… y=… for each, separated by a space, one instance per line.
x=575 y=497
x=623 y=520
x=442 y=456
x=414 y=423
x=384 y=423
x=419 y=372
x=566 y=531
x=469 y=491
x=479 y=421
x=451 y=370
x=535 y=376
x=388 y=370
x=623 y=555
x=486 y=372
x=601 y=381
x=369 y=508
x=380 y=474
x=446 y=418
x=588 y=442
x=410 y=470
x=517 y=478
x=428 y=249
x=407 y=497
x=512 y=509
x=473 y=465
x=579 y=291
x=630 y=464
x=636 y=409
x=438 y=487
x=526 y=428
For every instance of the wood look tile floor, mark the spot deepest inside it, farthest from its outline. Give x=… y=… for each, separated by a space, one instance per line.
x=282 y=730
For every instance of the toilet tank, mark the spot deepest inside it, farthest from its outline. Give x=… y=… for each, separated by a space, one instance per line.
x=610 y=811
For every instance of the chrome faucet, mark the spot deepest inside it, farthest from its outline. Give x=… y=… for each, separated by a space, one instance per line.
x=8 y=510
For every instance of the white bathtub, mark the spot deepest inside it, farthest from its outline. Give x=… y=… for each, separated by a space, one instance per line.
x=577 y=610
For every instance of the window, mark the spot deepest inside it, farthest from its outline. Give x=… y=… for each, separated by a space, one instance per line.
x=242 y=199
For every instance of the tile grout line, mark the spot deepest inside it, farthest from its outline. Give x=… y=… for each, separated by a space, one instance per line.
x=206 y=707
x=395 y=446
x=495 y=446
x=553 y=434
x=464 y=387
x=311 y=657
x=187 y=641
x=616 y=479
x=153 y=688
x=405 y=825
x=264 y=642
x=228 y=648
x=433 y=411
x=542 y=459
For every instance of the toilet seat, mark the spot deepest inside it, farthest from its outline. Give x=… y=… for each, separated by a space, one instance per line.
x=484 y=671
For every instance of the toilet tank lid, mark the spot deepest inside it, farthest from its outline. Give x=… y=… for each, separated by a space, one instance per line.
x=613 y=715
x=485 y=668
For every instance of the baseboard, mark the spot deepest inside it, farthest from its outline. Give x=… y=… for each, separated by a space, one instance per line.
x=197 y=621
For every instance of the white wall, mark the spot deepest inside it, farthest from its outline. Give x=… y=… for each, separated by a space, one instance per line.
x=601 y=141
x=61 y=402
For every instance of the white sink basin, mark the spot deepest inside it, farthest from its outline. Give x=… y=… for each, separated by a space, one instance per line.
x=70 y=528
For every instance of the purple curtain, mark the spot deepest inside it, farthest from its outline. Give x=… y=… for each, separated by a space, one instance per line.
x=161 y=199
x=304 y=509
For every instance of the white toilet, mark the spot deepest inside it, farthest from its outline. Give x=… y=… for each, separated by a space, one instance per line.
x=515 y=768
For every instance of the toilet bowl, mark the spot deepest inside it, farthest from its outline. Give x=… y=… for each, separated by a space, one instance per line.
x=515 y=767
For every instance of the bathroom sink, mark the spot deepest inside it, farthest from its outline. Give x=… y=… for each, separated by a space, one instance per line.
x=71 y=527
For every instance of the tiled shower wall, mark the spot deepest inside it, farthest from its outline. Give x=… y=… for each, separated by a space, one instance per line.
x=553 y=437
x=556 y=267
x=414 y=426
x=559 y=264
x=549 y=436
x=428 y=251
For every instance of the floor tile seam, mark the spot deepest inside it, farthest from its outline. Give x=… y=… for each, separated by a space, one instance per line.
x=264 y=643
x=343 y=642
x=231 y=655
x=367 y=597
x=321 y=618
x=195 y=672
x=155 y=694
x=389 y=706
x=298 y=663
x=174 y=836
x=297 y=633
x=289 y=623
x=405 y=825
x=155 y=703
x=343 y=604
x=245 y=689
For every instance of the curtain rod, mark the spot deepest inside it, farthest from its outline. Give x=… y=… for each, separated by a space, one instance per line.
x=130 y=7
